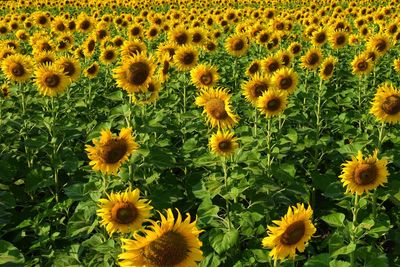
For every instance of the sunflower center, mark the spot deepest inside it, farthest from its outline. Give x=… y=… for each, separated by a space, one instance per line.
x=313 y=59
x=206 y=78
x=109 y=55
x=225 y=145
x=113 y=151
x=321 y=37
x=181 y=38
x=260 y=88
x=138 y=73
x=273 y=66
x=264 y=38
x=216 y=107
x=118 y=42
x=238 y=45
x=296 y=49
x=42 y=20
x=188 y=58
x=151 y=88
x=365 y=174
x=381 y=45
x=92 y=69
x=196 y=37
x=3 y=29
x=362 y=66
x=280 y=26
x=165 y=67
x=294 y=233
x=254 y=68
x=211 y=46
x=285 y=83
x=17 y=69
x=274 y=104
x=46 y=47
x=53 y=80
x=69 y=68
x=169 y=249
x=328 y=69
x=340 y=40
x=91 y=45
x=85 y=25
x=391 y=105
x=61 y=27
x=153 y=32
x=285 y=60
x=124 y=213
x=135 y=31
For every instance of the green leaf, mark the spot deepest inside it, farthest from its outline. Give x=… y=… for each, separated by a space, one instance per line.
x=9 y=254
x=223 y=241
x=344 y=250
x=321 y=260
x=336 y=263
x=334 y=219
x=292 y=135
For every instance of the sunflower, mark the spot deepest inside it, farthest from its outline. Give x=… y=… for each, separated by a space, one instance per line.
x=217 y=107
x=285 y=79
x=108 y=55
x=272 y=103
x=311 y=59
x=271 y=64
x=5 y=90
x=45 y=57
x=210 y=46
x=319 y=37
x=6 y=51
x=135 y=73
x=263 y=37
x=17 y=67
x=361 y=65
x=180 y=36
x=22 y=35
x=223 y=143
x=132 y=47
x=92 y=70
x=198 y=36
x=380 y=43
x=185 y=57
x=285 y=56
x=89 y=46
x=123 y=212
x=204 y=76
x=166 y=49
x=168 y=242
x=84 y=23
x=360 y=175
x=70 y=66
x=165 y=65
x=118 y=41
x=237 y=45
x=254 y=68
x=255 y=87
x=108 y=153
x=386 y=104
x=327 y=67
x=150 y=95
x=135 y=31
x=153 y=32
x=338 y=39
x=292 y=233
x=51 y=80
x=396 y=64
x=295 y=48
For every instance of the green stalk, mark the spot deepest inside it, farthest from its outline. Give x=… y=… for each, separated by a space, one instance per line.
x=354 y=227
x=318 y=111
x=269 y=134
x=255 y=122
x=276 y=263
x=381 y=136
x=225 y=169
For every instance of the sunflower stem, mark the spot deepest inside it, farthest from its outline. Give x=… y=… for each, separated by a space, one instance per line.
x=54 y=142
x=129 y=113
x=318 y=111
x=269 y=148
x=354 y=227
x=225 y=169
x=255 y=122
x=381 y=135
x=276 y=263
x=305 y=90
x=23 y=104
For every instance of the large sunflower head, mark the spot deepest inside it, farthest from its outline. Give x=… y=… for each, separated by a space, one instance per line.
x=204 y=76
x=381 y=43
x=360 y=175
x=108 y=153
x=169 y=242
x=327 y=68
x=186 y=57
x=292 y=233
x=70 y=66
x=135 y=73
x=17 y=67
x=123 y=212
x=272 y=103
x=51 y=80
x=223 y=143
x=217 y=107
x=386 y=104
x=312 y=59
x=361 y=65
x=255 y=87
x=285 y=79
x=237 y=45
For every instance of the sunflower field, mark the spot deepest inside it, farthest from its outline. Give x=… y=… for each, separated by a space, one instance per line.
x=189 y=133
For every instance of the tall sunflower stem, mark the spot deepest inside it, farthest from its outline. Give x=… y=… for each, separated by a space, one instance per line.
x=276 y=263
x=23 y=100
x=52 y=132
x=269 y=158
x=354 y=227
x=318 y=111
x=255 y=122
x=305 y=89
x=225 y=169
x=128 y=114
x=381 y=135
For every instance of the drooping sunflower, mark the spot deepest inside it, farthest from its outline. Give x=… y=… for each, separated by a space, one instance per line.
x=51 y=80
x=108 y=153
x=272 y=103
x=361 y=175
x=123 y=212
x=361 y=65
x=70 y=66
x=327 y=68
x=169 y=242
x=386 y=104
x=185 y=58
x=204 y=76
x=285 y=79
x=108 y=55
x=217 y=107
x=255 y=87
x=292 y=233
x=223 y=143
x=237 y=45
x=135 y=73
x=17 y=67
x=312 y=59
x=92 y=71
